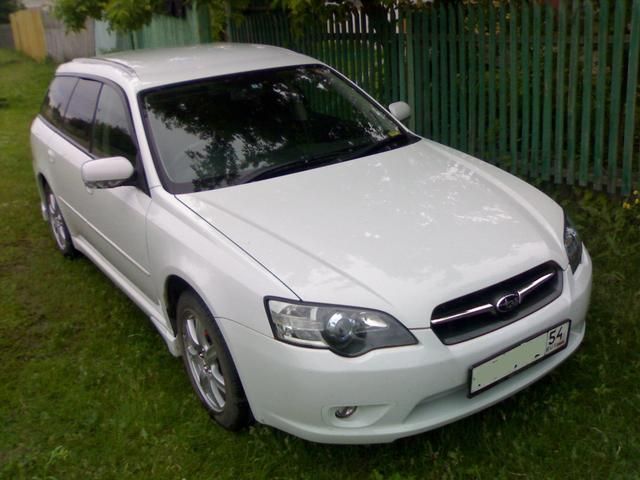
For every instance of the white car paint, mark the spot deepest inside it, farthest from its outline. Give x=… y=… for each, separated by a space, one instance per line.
x=401 y=232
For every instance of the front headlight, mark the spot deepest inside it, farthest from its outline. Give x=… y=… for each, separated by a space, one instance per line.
x=346 y=331
x=572 y=243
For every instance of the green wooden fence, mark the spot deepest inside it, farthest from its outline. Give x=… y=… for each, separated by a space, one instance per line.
x=549 y=93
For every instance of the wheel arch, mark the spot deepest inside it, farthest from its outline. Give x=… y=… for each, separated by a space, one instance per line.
x=174 y=286
x=42 y=184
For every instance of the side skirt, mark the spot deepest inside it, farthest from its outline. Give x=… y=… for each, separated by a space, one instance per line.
x=141 y=300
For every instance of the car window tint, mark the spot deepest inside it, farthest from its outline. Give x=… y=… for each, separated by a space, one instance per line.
x=79 y=114
x=111 y=134
x=57 y=98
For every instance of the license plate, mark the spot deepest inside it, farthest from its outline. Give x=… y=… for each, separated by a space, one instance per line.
x=500 y=367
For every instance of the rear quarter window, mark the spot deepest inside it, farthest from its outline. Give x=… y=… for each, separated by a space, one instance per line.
x=57 y=98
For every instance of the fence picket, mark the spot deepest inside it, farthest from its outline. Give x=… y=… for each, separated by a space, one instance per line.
x=616 y=87
x=587 y=80
x=526 y=92
x=513 y=80
x=435 y=76
x=503 y=83
x=560 y=89
x=547 y=117
x=453 y=78
x=572 y=114
x=536 y=96
x=600 y=103
x=482 y=94
x=473 y=79
x=462 y=51
x=492 y=114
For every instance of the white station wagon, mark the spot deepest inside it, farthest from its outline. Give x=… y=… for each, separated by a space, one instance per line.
x=318 y=267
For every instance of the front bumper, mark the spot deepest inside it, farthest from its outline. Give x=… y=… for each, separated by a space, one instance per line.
x=398 y=391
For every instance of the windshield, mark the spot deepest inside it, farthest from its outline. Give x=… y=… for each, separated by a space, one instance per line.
x=235 y=129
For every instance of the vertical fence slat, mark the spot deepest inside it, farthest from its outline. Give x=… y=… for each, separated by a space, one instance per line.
x=349 y=48
x=453 y=78
x=560 y=89
x=435 y=76
x=536 y=96
x=391 y=54
x=331 y=41
x=513 y=91
x=503 y=82
x=426 y=56
x=630 y=109
x=473 y=80
x=418 y=77
x=526 y=91
x=444 y=77
x=600 y=103
x=492 y=114
x=572 y=114
x=587 y=78
x=402 y=57
x=411 y=68
x=374 y=65
x=419 y=50
x=548 y=92
x=482 y=94
x=364 y=49
x=462 y=50
x=616 y=86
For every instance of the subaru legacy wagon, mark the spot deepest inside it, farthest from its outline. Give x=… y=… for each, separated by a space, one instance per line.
x=319 y=267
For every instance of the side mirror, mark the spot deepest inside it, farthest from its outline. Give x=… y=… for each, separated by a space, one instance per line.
x=400 y=110
x=107 y=172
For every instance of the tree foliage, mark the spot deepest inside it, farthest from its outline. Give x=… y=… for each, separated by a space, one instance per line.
x=7 y=7
x=130 y=15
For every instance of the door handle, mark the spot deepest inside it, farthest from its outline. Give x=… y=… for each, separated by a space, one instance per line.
x=52 y=155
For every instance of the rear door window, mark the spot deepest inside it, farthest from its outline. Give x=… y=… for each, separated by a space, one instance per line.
x=79 y=114
x=55 y=103
x=112 y=132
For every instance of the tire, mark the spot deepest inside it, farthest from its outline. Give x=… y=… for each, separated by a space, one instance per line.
x=209 y=365
x=59 y=228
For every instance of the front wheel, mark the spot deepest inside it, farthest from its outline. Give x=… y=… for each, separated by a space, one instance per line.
x=58 y=226
x=209 y=365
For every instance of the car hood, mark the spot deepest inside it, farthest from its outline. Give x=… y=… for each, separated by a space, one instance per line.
x=400 y=231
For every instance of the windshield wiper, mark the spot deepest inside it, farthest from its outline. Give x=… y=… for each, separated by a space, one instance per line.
x=293 y=166
x=383 y=144
x=308 y=162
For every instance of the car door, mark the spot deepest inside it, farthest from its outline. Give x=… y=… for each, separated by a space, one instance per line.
x=116 y=217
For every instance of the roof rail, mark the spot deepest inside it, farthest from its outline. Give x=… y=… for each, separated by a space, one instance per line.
x=115 y=63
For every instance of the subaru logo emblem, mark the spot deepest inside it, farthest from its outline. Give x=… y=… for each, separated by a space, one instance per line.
x=508 y=302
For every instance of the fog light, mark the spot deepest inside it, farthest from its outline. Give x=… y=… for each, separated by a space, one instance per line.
x=345 y=412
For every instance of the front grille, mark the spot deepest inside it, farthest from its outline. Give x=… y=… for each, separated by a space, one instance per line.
x=496 y=306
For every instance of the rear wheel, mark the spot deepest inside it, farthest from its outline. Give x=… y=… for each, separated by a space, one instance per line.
x=58 y=226
x=209 y=365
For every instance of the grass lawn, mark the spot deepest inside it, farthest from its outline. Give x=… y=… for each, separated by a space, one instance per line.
x=88 y=389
